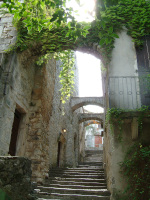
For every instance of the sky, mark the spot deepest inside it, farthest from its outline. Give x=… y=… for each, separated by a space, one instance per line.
x=90 y=84
x=86 y=7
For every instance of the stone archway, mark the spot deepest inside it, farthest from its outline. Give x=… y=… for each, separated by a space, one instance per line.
x=88 y=116
x=77 y=102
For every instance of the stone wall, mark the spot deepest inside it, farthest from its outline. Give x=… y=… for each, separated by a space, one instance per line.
x=16 y=81
x=40 y=113
x=15 y=178
x=28 y=89
x=115 y=150
x=81 y=142
x=63 y=118
x=7 y=32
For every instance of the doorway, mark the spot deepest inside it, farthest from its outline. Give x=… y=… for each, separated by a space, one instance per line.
x=58 y=155
x=14 y=134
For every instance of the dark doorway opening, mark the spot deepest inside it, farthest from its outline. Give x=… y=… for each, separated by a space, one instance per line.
x=58 y=155
x=14 y=135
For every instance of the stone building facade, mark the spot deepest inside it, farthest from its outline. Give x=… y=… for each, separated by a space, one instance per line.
x=124 y=90
x=31 y=117
x=26 y=106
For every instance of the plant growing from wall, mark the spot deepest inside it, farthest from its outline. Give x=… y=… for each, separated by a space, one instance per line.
x=114 y=114
x=112 y=17
x=117 y=115
x=135 y=169
x=47 y=26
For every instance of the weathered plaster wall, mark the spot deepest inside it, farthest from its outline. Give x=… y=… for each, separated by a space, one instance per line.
x=123 y=80
x=115 y=151
x=124 y=61
x=122 y=93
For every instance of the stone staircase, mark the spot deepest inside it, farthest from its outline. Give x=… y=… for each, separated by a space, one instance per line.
x=86 y=182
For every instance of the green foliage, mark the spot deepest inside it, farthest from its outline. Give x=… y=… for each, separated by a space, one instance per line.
x=47 y=26
x=135 y=169
x=67 y=74
x=3 y=195
x=116 y=115
x=130 y=14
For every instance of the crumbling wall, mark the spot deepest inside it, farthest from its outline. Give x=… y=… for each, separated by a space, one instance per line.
x=15 y=178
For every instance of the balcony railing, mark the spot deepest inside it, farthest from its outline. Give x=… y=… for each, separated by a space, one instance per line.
x=130 y=92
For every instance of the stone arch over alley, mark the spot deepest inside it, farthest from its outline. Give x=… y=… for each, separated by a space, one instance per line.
x=77 y=102
x=90 y=116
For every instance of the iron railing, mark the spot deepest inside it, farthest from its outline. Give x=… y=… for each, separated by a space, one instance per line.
x=130 y=92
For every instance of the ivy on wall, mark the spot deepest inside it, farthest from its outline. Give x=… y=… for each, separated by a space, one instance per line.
x=47 y=26
x=135 y=168
x=112 y=17
x=118 y=115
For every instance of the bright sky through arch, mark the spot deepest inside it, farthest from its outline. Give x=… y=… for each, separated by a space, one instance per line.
x=90 y=83
x=85 y=11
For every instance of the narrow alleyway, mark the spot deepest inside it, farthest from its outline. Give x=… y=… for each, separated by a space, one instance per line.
x=86 y=182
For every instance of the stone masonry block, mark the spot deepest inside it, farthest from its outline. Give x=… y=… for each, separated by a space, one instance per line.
x=4 y=41
x=3 y=47
x=1 y=30
x=6 y=19
x=12 y=33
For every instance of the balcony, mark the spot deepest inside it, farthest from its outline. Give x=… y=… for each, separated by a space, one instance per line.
x=130 y=92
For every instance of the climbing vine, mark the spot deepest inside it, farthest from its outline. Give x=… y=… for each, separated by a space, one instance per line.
x=47 y=26
x=116 y=114
x=67 y=74
x=114 y=16
x=135 y=169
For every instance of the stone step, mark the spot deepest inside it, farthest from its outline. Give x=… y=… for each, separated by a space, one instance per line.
x=49 y=190
x=75 y=186
x=73 y=197
x=76 y=176
x=91 y=163
x=77 y=172
x=84 y=183
x=89 y=166
x=78 y=179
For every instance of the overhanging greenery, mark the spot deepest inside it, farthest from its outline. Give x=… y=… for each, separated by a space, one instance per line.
x=47 y=26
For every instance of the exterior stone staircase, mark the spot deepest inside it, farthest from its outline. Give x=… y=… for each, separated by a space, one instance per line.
x=86 y=182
